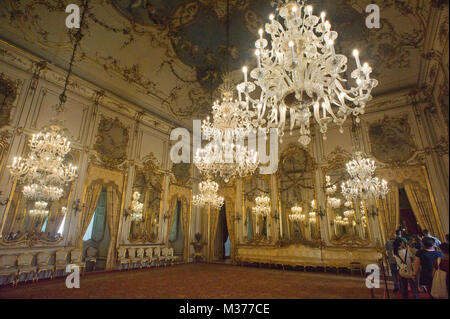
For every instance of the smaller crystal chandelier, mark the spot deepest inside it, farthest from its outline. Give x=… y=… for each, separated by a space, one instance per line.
x=208 y=195
x=262 y=206
x=297 y=215
x=334 y=202
x=330 y=189
x=40 y=209
x=362 y=184
x=349 y=213
x=136 y=208
x=226 y=155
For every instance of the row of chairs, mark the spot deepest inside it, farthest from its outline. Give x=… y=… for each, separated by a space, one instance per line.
x=13 y=266
x=145 y=257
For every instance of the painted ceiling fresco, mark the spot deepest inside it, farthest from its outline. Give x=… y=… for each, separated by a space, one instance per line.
x=198 y=29
x=168 y=56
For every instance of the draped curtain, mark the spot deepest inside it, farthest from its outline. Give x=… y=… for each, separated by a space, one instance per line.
x=112 y=217
x=172 y=213
x=214 y=223
x=91 y=200
x=389 y=212
x=423 y=209
x=229 y=209
x=185 y=221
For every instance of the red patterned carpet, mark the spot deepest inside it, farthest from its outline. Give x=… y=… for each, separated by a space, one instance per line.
x=199 y=281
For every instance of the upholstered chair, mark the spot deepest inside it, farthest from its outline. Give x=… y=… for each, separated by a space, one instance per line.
x=8 y=268
x=60 y=261
x=140 y=255
x=91 y=256
x=149 y=256
x=172 y=257
x=132 y=257
x=43 y=264
x=76 y=258
x=24 y=265
x=165 y=255
x=122 y=257
x=157 y=255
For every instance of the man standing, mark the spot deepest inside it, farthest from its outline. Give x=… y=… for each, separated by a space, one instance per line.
x=391 y=259
x=437 y=242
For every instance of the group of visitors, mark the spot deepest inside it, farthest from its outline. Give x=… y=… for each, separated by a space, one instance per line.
x=419 y=262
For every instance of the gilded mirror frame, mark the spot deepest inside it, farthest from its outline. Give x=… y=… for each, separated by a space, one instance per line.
x=337 y=161
x=289 y=226
x=147 y=227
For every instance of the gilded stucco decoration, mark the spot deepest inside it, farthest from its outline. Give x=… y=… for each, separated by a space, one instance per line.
x=4 y=145
x=111 y=143
x=181 y=174
x=8 y=94
x=391 y=140
x=187 y=63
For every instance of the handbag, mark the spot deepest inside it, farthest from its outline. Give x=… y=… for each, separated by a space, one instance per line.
x=403 y=268
x=439 y=286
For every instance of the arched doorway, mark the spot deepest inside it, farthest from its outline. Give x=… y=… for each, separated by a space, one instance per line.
x=222 y=241
x=408 y=221
x=176 y=238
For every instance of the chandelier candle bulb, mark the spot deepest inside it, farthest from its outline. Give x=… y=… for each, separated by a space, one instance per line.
x=245 y=70
x=261 y=32
x=322 y=17
x=356 y=55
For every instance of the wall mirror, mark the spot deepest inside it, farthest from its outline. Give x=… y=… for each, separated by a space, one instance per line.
x=257 y=226
x=347 y=220
x=26 y=221
x=296 y=188
x=148 y=183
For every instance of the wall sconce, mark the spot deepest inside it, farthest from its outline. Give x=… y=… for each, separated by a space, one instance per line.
x=166 y=216
x=77 y=207
x=320 y=213
x=275 y=216
x=126 y=213
x=4 y=202
x=237 y=217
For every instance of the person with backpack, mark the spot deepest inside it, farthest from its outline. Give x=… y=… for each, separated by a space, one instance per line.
x=425 y=263
x=405 y=266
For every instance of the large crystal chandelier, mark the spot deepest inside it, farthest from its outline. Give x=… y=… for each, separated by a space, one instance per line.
x=262 y=206
x=226 y=154
x=208 y=195
x=43 y=172
x=299 y=74
x=137 y=208
x=362 y=183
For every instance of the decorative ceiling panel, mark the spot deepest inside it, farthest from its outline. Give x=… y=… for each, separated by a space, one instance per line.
x=168 y=56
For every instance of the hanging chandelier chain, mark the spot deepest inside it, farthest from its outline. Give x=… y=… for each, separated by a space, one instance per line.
x=78 y=36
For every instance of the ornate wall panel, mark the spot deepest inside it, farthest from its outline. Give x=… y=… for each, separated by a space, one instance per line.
x=74 y=117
